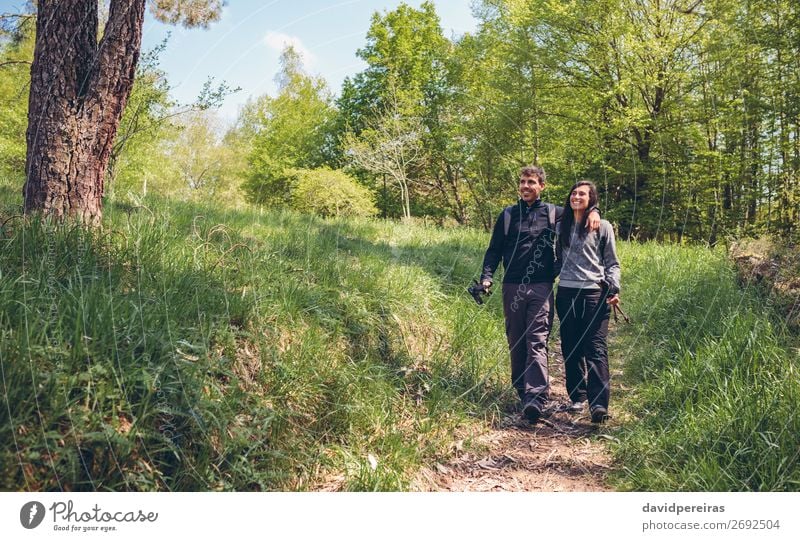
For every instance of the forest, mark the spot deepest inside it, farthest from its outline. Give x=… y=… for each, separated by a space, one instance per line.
x=685 y=113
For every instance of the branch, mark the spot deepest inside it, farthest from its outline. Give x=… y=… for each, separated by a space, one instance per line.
x=17 y=16
x=24 y=18
x=14 y=62
x=689 y=10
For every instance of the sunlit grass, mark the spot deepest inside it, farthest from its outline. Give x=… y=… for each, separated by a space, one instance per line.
x=715 y=375
x=186 y=347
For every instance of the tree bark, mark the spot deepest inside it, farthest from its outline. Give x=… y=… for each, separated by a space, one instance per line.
x=79 y=88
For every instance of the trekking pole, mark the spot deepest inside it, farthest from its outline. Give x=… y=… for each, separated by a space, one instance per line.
x=618 y=309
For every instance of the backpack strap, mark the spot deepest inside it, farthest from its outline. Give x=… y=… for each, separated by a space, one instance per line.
x=551 y=216
x=603 y=239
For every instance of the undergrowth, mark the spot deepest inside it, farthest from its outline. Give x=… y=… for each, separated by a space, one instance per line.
x=715 y=373
x=183 y=347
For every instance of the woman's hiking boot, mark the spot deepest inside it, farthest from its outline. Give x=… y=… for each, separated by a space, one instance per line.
x=599 y=414
x=577 y=407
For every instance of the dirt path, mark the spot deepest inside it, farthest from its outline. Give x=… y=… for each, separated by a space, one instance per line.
x=560 y=453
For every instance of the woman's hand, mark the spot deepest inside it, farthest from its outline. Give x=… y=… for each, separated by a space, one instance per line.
x=613 y=300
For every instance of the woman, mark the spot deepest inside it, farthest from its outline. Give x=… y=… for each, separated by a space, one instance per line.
x=588 y=286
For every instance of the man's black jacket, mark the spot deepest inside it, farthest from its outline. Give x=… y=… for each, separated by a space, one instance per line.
x=527 y=250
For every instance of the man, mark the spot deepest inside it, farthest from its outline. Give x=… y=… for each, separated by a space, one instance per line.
x=523 y=237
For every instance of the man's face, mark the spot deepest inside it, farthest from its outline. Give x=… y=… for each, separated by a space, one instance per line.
x=530 y=188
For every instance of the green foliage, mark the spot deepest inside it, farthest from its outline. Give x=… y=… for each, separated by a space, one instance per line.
x=405 y=53
x=16 y=53
x=400 y=114
x=202 y=165
x=171 y=149
x=138 y=157
x=291 y=130
x=684 y=115
x=665 y=106
x=330 y=193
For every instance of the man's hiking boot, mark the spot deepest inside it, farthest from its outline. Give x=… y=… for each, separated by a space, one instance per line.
x=599 y=414
x=532 y=411
x=577 y=406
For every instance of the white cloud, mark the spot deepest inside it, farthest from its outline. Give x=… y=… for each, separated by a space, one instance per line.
x=277 y=41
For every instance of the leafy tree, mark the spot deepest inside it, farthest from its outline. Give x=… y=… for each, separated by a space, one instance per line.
x=169 y=147
x=389 y=145
x=405 y=53
x=292 y=130
x=202 y=160
x=409 y=75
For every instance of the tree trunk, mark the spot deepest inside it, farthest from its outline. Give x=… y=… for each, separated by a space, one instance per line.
x=460 y=209
x=79 y=88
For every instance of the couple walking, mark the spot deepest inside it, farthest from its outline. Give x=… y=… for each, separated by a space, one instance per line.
x=538 y=241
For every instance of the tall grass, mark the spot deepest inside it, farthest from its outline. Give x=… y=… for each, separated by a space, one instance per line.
x=185 y=348
x=716 y=378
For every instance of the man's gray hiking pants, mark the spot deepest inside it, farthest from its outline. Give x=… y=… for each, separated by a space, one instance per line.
x=528 y=310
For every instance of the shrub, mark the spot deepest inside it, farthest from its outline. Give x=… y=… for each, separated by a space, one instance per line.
x=329 y=192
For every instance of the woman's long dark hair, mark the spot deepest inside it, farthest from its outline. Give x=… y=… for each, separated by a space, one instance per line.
x=568 y=218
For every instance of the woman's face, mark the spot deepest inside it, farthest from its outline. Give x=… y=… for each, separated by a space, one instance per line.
x=579 y=199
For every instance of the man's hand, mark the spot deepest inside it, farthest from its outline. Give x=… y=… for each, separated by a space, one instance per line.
x=593 y=222
x=613 y=300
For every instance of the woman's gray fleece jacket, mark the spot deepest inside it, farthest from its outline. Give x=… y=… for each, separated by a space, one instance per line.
x=590 y=260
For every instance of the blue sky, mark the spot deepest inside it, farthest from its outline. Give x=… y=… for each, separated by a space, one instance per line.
x=244 y=46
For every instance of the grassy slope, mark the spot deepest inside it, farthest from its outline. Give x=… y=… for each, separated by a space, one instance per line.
x=715 y=378
x=276 y=351
x=188 y=348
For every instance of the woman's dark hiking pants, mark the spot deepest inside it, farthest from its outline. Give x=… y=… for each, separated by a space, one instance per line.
x=583 y=315
x=528 y=309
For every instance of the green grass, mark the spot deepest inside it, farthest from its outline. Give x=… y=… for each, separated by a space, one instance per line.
x=715 y=378
x=184 y=347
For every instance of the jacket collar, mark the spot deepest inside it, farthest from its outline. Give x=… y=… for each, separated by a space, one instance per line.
x=536 y=204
